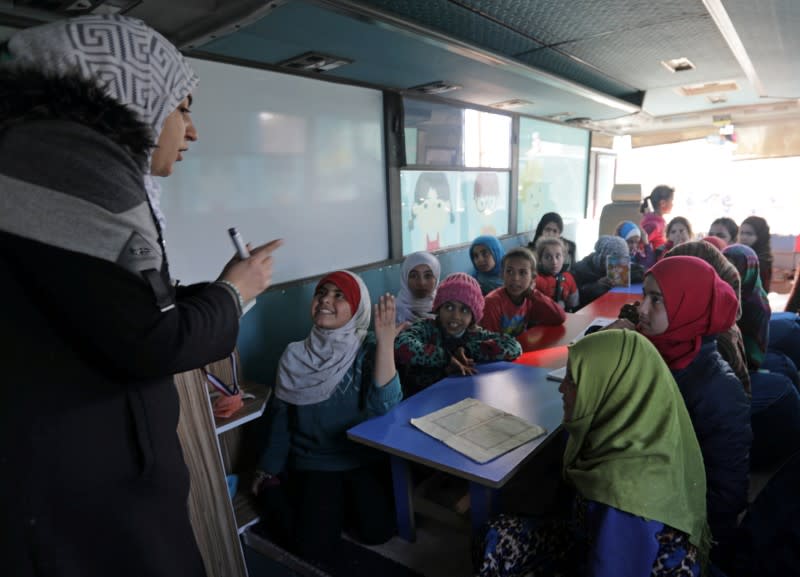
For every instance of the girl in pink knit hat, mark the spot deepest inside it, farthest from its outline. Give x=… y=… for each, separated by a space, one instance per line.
x=452 y=342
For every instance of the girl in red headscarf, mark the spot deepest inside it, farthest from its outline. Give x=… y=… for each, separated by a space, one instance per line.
x=682 y=320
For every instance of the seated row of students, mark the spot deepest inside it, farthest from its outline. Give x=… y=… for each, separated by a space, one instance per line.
x=609 y=533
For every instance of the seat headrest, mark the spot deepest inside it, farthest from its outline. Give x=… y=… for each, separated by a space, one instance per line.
x=626 y=193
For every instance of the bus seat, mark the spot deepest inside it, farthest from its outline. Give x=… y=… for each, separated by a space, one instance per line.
x=625 y=201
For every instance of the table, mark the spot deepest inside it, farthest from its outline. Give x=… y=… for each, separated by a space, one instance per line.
x=518 y=389
x=635 y=288
x=546 y=346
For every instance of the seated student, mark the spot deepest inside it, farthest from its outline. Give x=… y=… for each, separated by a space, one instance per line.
x=754 y=232
x=756 y=311
x=654 y=207
x=725 y=229
x=551 y=225
x=310 y=474
x=590 y=273
x=685 y=305
x=419 y=276
x=641 y=251
x=452 y=343
x=518 y=305
x=486 y=254
x=679 y=231
x=775 y=403
x=730 y=343
x=756 y=321
x=553 y=278
x=634 y=460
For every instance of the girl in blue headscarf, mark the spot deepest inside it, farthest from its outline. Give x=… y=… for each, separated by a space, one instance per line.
x=486 y=254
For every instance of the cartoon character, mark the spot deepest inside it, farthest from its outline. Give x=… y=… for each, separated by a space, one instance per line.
x=431 y=211
x=487 y=195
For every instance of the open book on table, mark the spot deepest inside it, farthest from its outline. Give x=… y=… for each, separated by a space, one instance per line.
x=478 y=430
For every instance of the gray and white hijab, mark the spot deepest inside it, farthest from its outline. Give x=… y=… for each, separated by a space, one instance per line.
x=310 y=370
x=134 y=64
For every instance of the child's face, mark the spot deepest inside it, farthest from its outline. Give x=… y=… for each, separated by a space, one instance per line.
x=329 y=308
x=665 y=206
x=552 y=259
x=550 y=230
x=421 y=281
x=721 y=232
x=633 y=243
x=454 y=317
x=517 y=276
x=747 y=235
x=652 y=312
x=482 y=258
x=678 y=234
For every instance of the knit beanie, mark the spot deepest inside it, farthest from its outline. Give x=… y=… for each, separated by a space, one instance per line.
x=628 y=229
x=607 y=246
x=463 y=288
x=345 y=283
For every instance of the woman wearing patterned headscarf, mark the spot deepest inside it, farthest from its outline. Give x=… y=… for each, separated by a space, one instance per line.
x=634 y=460
x=94 y=479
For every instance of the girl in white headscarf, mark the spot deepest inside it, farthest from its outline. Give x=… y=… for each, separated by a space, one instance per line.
x=95 y=482
x=419 y=278
x=339 y=376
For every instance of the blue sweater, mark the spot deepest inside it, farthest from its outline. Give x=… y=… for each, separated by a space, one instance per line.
x=720 y=413
x=314 y=437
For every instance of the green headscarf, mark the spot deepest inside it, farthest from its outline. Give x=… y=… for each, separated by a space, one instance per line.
x=631 y=442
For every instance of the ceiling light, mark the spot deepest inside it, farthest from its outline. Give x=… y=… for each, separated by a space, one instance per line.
x=709 y=88
x=513 y=103
x=678 y=64
x=717 y=98
x=438 y=87
x=315 y=62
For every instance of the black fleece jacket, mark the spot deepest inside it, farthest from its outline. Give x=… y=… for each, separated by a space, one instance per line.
x=93 y=479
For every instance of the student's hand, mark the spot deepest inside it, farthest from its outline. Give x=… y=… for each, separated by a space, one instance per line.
x=253 y=275
x=606 y=282
x=385 y=316
x=461 y=364
x=261 y=480
x=620 y=324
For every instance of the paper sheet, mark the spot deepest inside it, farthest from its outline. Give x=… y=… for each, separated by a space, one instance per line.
x=477 y=430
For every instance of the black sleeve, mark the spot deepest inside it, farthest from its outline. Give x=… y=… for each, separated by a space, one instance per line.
x=110 y=313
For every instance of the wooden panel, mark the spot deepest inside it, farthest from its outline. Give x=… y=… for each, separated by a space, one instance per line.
x=209 y=506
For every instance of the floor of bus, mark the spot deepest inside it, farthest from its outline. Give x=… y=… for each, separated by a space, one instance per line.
x=440 y=550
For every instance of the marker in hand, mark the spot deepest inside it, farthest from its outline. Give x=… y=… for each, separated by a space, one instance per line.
x=238 y=242
x=241 y=248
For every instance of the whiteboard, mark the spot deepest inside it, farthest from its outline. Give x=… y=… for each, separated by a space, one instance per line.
x=278 y=156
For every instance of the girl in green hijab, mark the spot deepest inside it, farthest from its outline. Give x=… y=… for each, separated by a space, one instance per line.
x=636 y=466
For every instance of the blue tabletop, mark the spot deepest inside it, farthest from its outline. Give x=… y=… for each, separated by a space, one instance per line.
x=521 y=390
x=634 y=289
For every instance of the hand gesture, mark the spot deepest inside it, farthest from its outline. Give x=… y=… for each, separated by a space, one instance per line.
x=620 y=324
x=253 y=275
x=385 y=316
x=461 y=364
